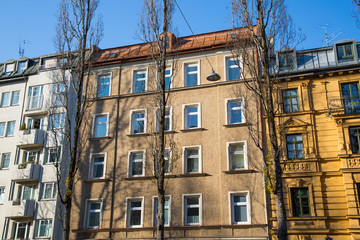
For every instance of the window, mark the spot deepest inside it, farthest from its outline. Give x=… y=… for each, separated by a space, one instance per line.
x=139 y=81
x=56 y=121
x=135 y=212
x=5 y=99
x=31 y=156
x=2 y=194
x=192 y=159
x=94 y=212
x=2 y=129
x=48 y=191
x=237 y=155
x=10 y=128
x=291 y=100
x=240 y=208
x=52 y=155
x=43 y=228
x=355 y=139
x=192 y=117
x=9 y=68
x=286 y=60
x=168 y=78
x=235 y=111
x=35 y=97
x=300 y=202
x=15 y=98
x=101 y=122
x=191 y=74
x=351 y=98
x=138 y=121
x=103 y=87
x=167 y=159
x=21 y=66
x=168 y=119
x=20 y=230
x=35 y=123
x=59 y=95
x=137 y=163
x=167 y=211
x=232 y=69
x=294 y=146
x=5 y=160
x=345 y=52
x=26 y=192
x=97 y=169
x=192 y=206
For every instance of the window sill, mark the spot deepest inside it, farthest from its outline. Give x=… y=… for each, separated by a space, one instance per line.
x=192 y=129
x=166 y=132
x=194 y=175
x=235 y=125
x=97 y=180
x=138 y=134
x=48 y=200
x=239 y=171
x=99 y=138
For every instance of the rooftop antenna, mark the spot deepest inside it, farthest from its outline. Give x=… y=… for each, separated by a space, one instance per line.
x=330 y=38
x=22 y=47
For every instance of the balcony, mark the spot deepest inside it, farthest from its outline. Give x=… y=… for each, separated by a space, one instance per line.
x=22 y=209
x=344 y=105
x=35 y=102
x=31 y=138
x=28 y=173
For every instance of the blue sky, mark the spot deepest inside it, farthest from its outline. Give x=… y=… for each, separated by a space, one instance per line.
x=34 y=21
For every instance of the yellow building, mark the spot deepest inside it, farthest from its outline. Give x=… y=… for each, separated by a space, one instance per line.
x=319 y=126
x=215 y=182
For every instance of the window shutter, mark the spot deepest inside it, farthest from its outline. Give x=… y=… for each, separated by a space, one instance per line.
x=36 y=230
x=41 y=191
x=59 y=154
x=46 y=155
x=37 y=157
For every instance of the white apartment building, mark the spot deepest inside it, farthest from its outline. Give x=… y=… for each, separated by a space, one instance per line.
x=30 y=113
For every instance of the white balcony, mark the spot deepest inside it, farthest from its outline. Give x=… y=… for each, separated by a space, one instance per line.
x=22 y=208
x=31 y=138
x=28 y=173
x=35 y=102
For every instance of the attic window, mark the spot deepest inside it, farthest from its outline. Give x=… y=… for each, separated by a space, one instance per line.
x=112 y=55
x=9 y=68
x=286 y=60
x=345 y=52
x=21 y=67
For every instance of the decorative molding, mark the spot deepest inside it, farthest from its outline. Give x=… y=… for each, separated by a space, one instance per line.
x=299 y=167
x=353 y=162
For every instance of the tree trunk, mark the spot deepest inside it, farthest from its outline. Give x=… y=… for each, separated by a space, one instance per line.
x=66 y=224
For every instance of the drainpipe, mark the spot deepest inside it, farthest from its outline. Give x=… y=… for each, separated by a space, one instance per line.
x=115 y=156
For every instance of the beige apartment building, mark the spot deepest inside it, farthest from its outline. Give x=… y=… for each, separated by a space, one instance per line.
x=214 y=184
x=318 y=122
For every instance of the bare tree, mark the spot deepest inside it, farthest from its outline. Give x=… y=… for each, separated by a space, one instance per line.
x=357 y=12
x=78 y=33
x=154 y=26
x=253 y=47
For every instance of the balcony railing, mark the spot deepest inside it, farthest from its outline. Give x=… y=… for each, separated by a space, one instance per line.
x=23 y=208
x=31 y=138
x=34 y=102
x=344 y=105
x=28 y=172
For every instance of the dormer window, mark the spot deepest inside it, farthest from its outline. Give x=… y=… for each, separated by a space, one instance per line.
x=21 y=66
x=345 y=52
x=286 y=60
x=9 y=68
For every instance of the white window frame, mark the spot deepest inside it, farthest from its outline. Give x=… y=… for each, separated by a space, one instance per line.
x=87 y=212
x=134 y=71
x=170 y=117
x=168 y=67
x=185 y=116
x=199 y=147
x=8 y=72
x=98 y=81
x=49 y=229
x=231 y=58
x=169 y=160
x=107 y=124
x=53 y=192
x=130 y=161
x=242 y=108
x=17 y=66
x=131 y=130
x=4 y=130
x=92 y=164
x=49 y=149
x=7 y=129
x=2 y=160
x=58 y=94
x=184 y=208
x=231 y=207
x=32 y=192
x=191 y=63
x=12 y=96
x=57 y=119
x=154 y=210
x=17 y=229
x=229 y=163
x=2 y=99
x=2 y=193
x=128 y=209
x=30 y=97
